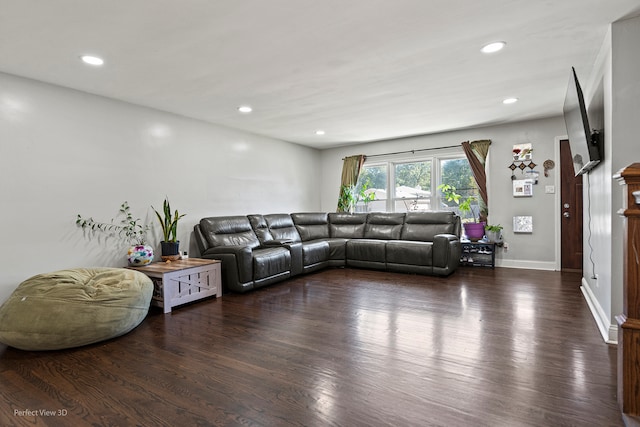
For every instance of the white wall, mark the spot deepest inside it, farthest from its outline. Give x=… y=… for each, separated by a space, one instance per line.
x=617 y=69
x=625 y=139
x=536 y=250
x=64 y=152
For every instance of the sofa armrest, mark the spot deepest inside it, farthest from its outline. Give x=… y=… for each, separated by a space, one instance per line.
x=446 y=251
x=200 y=239
x=277 y=242
x=237 y=260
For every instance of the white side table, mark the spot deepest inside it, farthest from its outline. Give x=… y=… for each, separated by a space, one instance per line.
x=183 y=281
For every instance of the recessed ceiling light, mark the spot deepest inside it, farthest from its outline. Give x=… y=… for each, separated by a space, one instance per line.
x=245 y=109
x=510 y=100
x=493 y=47
x=92 y=60
x=320 y=132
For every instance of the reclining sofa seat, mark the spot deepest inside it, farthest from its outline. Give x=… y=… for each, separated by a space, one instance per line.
x=278 y=230
x=429 y=244
x=313 y=229
x=370 y=250
x=342 y=228
x=260 y=249
x=246 y=263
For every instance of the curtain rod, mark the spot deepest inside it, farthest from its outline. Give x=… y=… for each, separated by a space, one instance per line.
x=411 y=151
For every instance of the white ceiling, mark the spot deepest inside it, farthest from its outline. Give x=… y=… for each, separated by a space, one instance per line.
x=361 y=70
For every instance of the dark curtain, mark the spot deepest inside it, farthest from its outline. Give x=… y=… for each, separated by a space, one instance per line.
x=350 y=172
x=476 y=153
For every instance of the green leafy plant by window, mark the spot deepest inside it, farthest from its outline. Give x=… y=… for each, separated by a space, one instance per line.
x=347 y=199
x=363 y=195
x=450 y=195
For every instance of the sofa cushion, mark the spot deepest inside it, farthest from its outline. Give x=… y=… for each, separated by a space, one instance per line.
x=270 y=261
x=423 y=226
x=229 y=231
x=315 y=251
x=337 y=249
x=411 y=253
x=312 y=225
x=281 y=227
x=71 y=308
x=347 y=226
x=366 y=250
x=385 y=226
x=260 y=227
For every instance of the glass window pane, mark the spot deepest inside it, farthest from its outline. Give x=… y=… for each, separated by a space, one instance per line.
x=374 y=206
x=457 y=173
x=412 y=205
x=413 y=180
x=374 y=180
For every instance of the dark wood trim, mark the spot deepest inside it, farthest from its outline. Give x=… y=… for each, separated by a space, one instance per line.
x=629 y=320
x=571 y=225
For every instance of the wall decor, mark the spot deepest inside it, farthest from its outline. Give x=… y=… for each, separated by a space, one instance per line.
x=523 y=188
x=522 y=152
x=548 y=165
x=533 y=175
x=522 y=158
x=523 y=224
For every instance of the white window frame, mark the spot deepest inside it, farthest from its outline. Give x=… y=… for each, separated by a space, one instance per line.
x=435 y=158
x=392 y=181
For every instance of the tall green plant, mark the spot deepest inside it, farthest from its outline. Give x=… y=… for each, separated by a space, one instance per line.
x=168 y=222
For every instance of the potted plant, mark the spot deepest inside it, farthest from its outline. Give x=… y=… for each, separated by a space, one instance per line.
x=129 y=229
x=365 y=195
x=494 y=233
x=474 y=230
x=169 y=223
x=347 y=200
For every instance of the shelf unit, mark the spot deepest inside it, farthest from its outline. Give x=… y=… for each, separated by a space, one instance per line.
x=480 y=254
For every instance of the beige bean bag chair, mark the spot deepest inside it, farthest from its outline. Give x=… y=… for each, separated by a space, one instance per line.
x=71 y=308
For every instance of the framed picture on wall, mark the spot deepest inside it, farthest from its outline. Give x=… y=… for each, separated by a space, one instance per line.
x=522 y=152
x=523 y=188
x=523 y=224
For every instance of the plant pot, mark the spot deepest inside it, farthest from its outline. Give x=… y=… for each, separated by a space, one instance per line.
x=494 y=236
x=474 y=230
x=170 y=250
x=138 y=255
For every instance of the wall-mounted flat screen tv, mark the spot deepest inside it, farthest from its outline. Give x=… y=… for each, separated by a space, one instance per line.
x=586 y=145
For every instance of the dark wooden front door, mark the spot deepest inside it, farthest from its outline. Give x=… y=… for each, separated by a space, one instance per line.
x=570 y=211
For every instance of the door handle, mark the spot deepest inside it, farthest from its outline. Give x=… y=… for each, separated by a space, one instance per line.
x=566 y=215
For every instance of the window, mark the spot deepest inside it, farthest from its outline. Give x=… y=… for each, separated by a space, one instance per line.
x=457 y=172
x=373 y=179
x=412 y=183
x=415 y=182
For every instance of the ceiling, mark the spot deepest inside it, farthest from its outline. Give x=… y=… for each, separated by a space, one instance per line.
x=361 y=70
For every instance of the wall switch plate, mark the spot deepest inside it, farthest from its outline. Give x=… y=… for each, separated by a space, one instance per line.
x=549 y=189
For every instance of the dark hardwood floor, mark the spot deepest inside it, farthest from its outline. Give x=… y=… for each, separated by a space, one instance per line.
x=341 y=347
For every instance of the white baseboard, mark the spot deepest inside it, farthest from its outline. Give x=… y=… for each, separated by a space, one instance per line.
x=532 y=265
x=608 y=330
